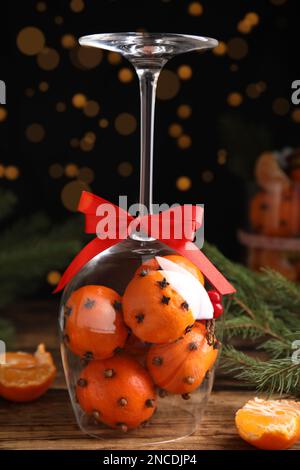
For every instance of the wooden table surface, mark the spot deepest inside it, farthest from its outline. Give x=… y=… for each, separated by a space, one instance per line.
x=48 y=423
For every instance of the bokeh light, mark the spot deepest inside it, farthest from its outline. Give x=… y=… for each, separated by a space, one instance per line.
x=88 y=57
x=91 y=109
x=68 y=41
x=175 y=130
x=11 y=172
x=125 y=75
x=184 y=141
x=296 y=115
x=60 y=107
x=234 y=99
x=71 y=170
x=31 y=40
x=103 y=123
x=86 y=174
x=114 y=58
x=183 y=183
x=184 y=111
x=125 y=124
x=168 y=85
x=221 y=48
x=77 y=6
x=222 y=156
x=56 y=170
x=43 y=86
x=125 y=169
x=79 y=100
x=53 y=278
x=35 y=133
x=184 y=72
x=207 y=176
x=237 y=48
x=48 y=59
x=281 y=106
x=3 y=114
x=41 y=7
x=195 y=9
x=71 y=193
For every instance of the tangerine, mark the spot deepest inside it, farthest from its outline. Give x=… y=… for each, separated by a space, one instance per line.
x=118 y=392
x=94 y=326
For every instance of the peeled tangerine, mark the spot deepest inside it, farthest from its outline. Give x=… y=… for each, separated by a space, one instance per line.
x=180 y=367
x=94 y=326
x=164 y=298
x=25 y=377
x=269 y=424
x=118 y=392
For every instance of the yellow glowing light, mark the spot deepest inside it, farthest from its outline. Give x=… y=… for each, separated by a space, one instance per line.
x=184 y=111
x=125 y=75
x=2 y=170
x=48 y=59
x=71 y=170
x=3 y=114
x=53 y=278
x=222 y=156
x=244 y=27
x=221 y=49
x=168 y=85
x=296 y=115
x=89 y=57
x=30 y=40
x=79 y=100
x=184 y=141
x=185 y=72
x=175 y=130
x=103 y=123
x=90 y=137
x=11 y=172
x=41 y=7
x=86 y=174
x=252 y=90
x=195 y=9
x=183 y=183
x=56 y=170
x=207 y=176
x=114 y=58
x=252 y=18
x=43 y=86
x=77 y=6
x=234 y=99
x=60 y=107
x=71 y=194
x=86 y=145
x=281 y=106
x=35 y=133
x=237 y=48
x=125 y=124
x=125 y=169
x=91 y=109
x=68 y=41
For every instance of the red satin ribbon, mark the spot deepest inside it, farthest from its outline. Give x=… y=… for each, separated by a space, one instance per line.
x=89 y=204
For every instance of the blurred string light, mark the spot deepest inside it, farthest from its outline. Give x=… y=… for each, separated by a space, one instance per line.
x=77 y=6
x=53 y=277
x=48 y=59
x=207 y=176
x=234 y=99
x=71 y=193
x=56 y=170
x=296 y=115
x=281 y=106
x=168 y=85
x=31 y=40
x=11 y=172
x=68 y=41
x=184 y=141
x=249 y=21
x=125 y=124
x=125 y=75
x=91 y=108
x=125 y=169
x=221 y=49
x=79 y=100
x=41 y=7
x=184 y=111
x=175 y=130
x=195 y=9
x=237 y=48
x=103 y=123
x=222 y=156
x=71 y=170
x=60 y=107
x=185 y=72
x=183 y=183
x=3 y=114
x=43 y=86
x=35 y=133
x=114 y=58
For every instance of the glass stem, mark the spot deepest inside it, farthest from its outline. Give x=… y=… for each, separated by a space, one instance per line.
x=148 y=81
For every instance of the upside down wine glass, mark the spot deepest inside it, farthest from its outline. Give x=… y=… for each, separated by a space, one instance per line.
x=137 y=361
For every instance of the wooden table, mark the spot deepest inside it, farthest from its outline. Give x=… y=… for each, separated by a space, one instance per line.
x=49 y=422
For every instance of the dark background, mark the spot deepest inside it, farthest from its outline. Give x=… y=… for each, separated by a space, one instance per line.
x=240 y=132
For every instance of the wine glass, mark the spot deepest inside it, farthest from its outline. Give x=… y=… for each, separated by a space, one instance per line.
x=178 y=414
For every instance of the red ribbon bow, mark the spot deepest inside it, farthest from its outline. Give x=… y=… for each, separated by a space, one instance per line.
x=126 y=224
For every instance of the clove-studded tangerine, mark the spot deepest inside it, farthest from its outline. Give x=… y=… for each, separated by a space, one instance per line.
x=154 y=311
x=118 y=392
x=181 y=366
x=94 y=326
